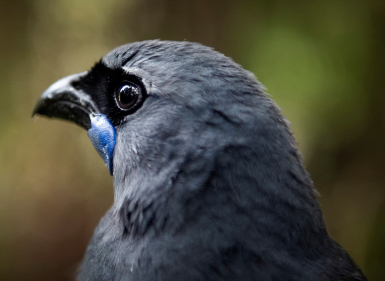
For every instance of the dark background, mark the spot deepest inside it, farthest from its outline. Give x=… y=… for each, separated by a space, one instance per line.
x=321 y=60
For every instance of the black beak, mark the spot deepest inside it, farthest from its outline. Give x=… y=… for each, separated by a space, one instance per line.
x=65 y=100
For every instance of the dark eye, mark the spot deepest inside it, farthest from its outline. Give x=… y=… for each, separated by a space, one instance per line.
x=128 y=95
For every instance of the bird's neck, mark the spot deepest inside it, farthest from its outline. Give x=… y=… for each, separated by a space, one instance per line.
x=237 y=185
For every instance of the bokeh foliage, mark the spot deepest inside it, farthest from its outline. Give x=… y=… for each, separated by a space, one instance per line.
x=322 y=61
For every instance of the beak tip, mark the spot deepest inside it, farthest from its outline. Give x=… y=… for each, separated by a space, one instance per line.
x=35 y=111
x=38 y=109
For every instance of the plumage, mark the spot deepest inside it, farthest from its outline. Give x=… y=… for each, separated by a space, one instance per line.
x=208 y=182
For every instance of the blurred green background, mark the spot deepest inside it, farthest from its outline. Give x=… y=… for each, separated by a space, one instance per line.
x=322 y=61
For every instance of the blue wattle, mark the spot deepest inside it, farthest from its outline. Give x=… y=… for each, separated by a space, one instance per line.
x=103 y=137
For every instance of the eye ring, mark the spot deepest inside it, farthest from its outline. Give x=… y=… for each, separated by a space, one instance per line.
x=128 y=96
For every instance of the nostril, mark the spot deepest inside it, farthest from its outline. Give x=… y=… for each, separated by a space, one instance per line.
x=76 y=85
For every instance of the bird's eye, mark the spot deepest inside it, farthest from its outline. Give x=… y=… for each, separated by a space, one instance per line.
x=128 y=95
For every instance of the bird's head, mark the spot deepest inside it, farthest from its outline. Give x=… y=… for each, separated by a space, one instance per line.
x=177 y=115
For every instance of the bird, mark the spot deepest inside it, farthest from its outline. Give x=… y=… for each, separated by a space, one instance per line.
x=208 y=181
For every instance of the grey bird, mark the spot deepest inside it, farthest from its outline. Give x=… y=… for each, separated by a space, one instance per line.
x=208 y=182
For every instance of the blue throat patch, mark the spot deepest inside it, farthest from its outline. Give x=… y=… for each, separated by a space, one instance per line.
x=103 y=137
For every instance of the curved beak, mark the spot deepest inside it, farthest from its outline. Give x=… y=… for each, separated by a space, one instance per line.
x=65 y=100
